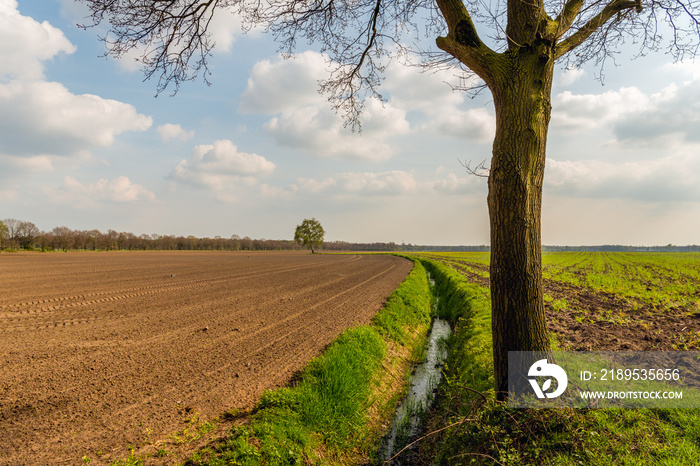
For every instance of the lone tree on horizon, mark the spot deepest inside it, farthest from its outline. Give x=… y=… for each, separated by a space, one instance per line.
x=513 y=52
x=309 y=234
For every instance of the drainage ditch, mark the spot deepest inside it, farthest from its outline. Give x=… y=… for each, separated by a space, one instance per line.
x=424 y=380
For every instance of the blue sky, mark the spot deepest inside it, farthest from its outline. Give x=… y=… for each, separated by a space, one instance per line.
x=86 y=144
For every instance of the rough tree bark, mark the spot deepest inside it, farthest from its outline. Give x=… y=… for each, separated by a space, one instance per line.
x=520 y=80
x=523 y=108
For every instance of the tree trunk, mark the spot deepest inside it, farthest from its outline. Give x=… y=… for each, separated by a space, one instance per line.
x=522 y=98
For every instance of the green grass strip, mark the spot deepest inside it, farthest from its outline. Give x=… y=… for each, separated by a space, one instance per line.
x=324 y=418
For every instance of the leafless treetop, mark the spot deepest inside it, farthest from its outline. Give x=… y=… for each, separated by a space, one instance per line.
x=359 y=36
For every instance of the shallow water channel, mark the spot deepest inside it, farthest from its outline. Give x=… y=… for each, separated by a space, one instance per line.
x=424 y=380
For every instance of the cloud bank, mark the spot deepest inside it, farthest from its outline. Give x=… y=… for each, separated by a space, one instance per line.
x=222 y=169
x=42 y=118
x=304 y=120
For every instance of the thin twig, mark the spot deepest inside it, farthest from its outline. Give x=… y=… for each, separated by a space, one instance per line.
x=478 y=454
x=475 y=391
x=427 y=435
x=480 y=170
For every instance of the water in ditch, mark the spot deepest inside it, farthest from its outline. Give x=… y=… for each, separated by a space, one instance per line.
x=424 y=381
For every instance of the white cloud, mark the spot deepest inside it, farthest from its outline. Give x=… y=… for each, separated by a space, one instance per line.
x=689 y=69
x=671 y=178
x=671 y=116
x=172 y=132
x=443 y=107
x=120 y=189
x=284 y=85
x=33 y=164
x=45 y=118
x=579 y=113
x=477 y=125
x=223 y=157
x=388 y=183
x=426 y=92
x=315 y=186
x=666 y=118
x=8 y=195
x=130 y=60
x=304 y=120
x=224 y=27
x=25 y=44
x=41 y=119
x=274 y=192
x=571 y=75
x=319 y=132
x=222 y=169
x=465 y=184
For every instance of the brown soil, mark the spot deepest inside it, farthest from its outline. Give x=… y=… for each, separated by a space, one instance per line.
x=103 y=351
x=600 y=321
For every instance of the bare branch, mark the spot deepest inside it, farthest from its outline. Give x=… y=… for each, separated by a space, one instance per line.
x=568 y=15
x=580 y=36
x=360 y=37
x=463 y=41
x=346 y=85
x=480 y=170
x=172 y=34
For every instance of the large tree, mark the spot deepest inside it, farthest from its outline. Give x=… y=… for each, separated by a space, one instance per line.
x=512 y=45
x=310 y=233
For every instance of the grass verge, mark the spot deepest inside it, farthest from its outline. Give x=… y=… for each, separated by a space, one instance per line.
x=334 y=414
x=467 y=425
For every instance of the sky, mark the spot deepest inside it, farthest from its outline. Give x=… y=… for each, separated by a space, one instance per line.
x=85 y=143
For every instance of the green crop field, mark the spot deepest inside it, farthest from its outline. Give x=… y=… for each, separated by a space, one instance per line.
x=658 y=279
x=603 y=300
x=661 y=280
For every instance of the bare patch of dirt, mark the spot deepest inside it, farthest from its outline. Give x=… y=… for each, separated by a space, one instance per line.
x=103 y=351
x=600 y=321
x=589 y=320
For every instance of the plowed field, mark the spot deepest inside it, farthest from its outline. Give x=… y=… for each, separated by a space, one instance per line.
x=100 y=351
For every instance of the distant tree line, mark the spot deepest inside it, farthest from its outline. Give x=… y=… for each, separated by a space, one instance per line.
x=17 y=234
x=345 y=246
x=22 y=235
x=620 y=248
